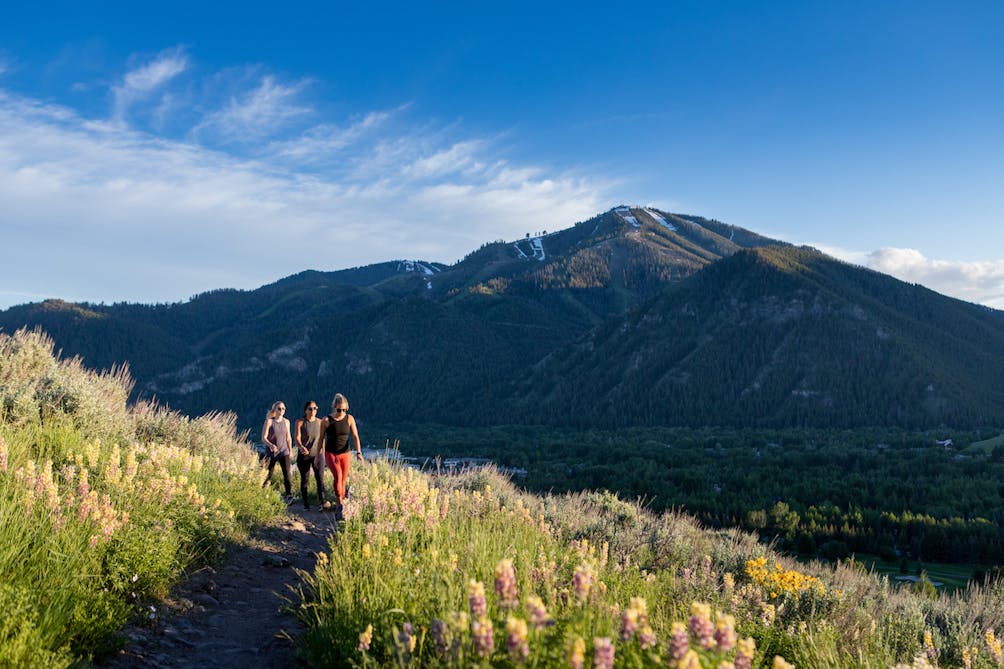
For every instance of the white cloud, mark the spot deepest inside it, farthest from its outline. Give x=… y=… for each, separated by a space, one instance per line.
x=141 y=82
x=93 y=210
x=257 y=113
x=981 y=282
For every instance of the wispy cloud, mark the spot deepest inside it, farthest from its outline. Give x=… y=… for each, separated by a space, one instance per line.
x=97 y=209
x=257 y=114
x=981 y=282
x=139 y=83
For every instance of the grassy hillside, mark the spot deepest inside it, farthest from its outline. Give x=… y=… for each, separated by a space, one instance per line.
x=465 y=570
x=103 y=505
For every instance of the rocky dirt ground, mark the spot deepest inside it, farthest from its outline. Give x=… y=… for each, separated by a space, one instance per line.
x=238 y=614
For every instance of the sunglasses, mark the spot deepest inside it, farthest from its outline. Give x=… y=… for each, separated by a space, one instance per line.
x=338 y=409
x=311 y=408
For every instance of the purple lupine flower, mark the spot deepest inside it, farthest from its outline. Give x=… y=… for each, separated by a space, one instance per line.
x=744 y=653
x=516 y=642
x=440 y=637
x=700 y=625
x=476 y=599
x=725 y=631
x=582 y=582
x=603 y=653
x=505 y=584
x=679 y=641
x=629 y=623
x=483 y=636
x=406 y=638
x=646 y=637
x=538 y=614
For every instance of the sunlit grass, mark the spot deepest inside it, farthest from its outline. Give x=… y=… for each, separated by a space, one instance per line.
x=103 y=506
x=466 y=570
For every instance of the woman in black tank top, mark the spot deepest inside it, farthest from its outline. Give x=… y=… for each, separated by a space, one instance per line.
x=309 y=455
x=337 y=428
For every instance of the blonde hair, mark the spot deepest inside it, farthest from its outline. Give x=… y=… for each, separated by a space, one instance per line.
x=340 y=399
x=272 y=413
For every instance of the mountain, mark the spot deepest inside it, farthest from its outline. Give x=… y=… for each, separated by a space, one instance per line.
x=780 y=337
x=634 y=317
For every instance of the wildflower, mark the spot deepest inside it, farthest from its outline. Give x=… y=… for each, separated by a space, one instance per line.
x=994 y=646
x=744 y=653
x=538 y=614
x=406 y=638
x=505 y=584
x=476 y=599
x=932 y=652
x=603 y=653
x=440 y=634
x=516 y=632
x=629 y=623
x=646 y=637
x=367 y=551
x=582 y=581
x=728 y=581
x=3 y=455
x=366 y=638
x=483 y=636
x=700 y=625
x=576 y=653
x=453 y=561
x=967 y=658
x=780 y=663
x=690 y=660
x=679 y=641
x=725 y=631
x=458 y=626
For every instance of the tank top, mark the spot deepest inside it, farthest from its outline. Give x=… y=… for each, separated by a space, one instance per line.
x=310 y=437
x=337 y=435
x=277 y=432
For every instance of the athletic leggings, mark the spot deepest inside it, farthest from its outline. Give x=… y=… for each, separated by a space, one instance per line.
x=305 y=464
x=339 y=466
x=284 y=460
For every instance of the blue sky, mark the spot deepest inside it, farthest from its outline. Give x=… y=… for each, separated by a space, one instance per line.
x=151 y=152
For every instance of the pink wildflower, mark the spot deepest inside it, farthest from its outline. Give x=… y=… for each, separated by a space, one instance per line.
x=516 y=642
x=679 y=641
x=505 y=584
x=700 y=625
x=725 y=631
x=603 y=653
x=483 y=636
x=476 y=599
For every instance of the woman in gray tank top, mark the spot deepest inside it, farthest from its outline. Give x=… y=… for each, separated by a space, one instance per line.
x=275 y=434
x=309 y=455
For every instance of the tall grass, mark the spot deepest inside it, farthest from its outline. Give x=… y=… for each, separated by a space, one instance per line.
x=103 y=506
x=466 y=570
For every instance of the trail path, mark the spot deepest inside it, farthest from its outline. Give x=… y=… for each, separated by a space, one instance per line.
x=235 y=615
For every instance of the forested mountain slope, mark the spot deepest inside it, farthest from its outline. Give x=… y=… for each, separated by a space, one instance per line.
x=634 y=317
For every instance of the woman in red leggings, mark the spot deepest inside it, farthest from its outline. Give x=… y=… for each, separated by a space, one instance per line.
x=336 y=428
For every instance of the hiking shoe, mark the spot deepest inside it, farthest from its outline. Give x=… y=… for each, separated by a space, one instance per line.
x=325 y=506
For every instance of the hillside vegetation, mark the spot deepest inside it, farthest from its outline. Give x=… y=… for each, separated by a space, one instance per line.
x=104 y=505
x=465 y=570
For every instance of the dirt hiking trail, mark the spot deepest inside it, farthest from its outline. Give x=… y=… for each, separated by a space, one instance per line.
x=235 y=615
